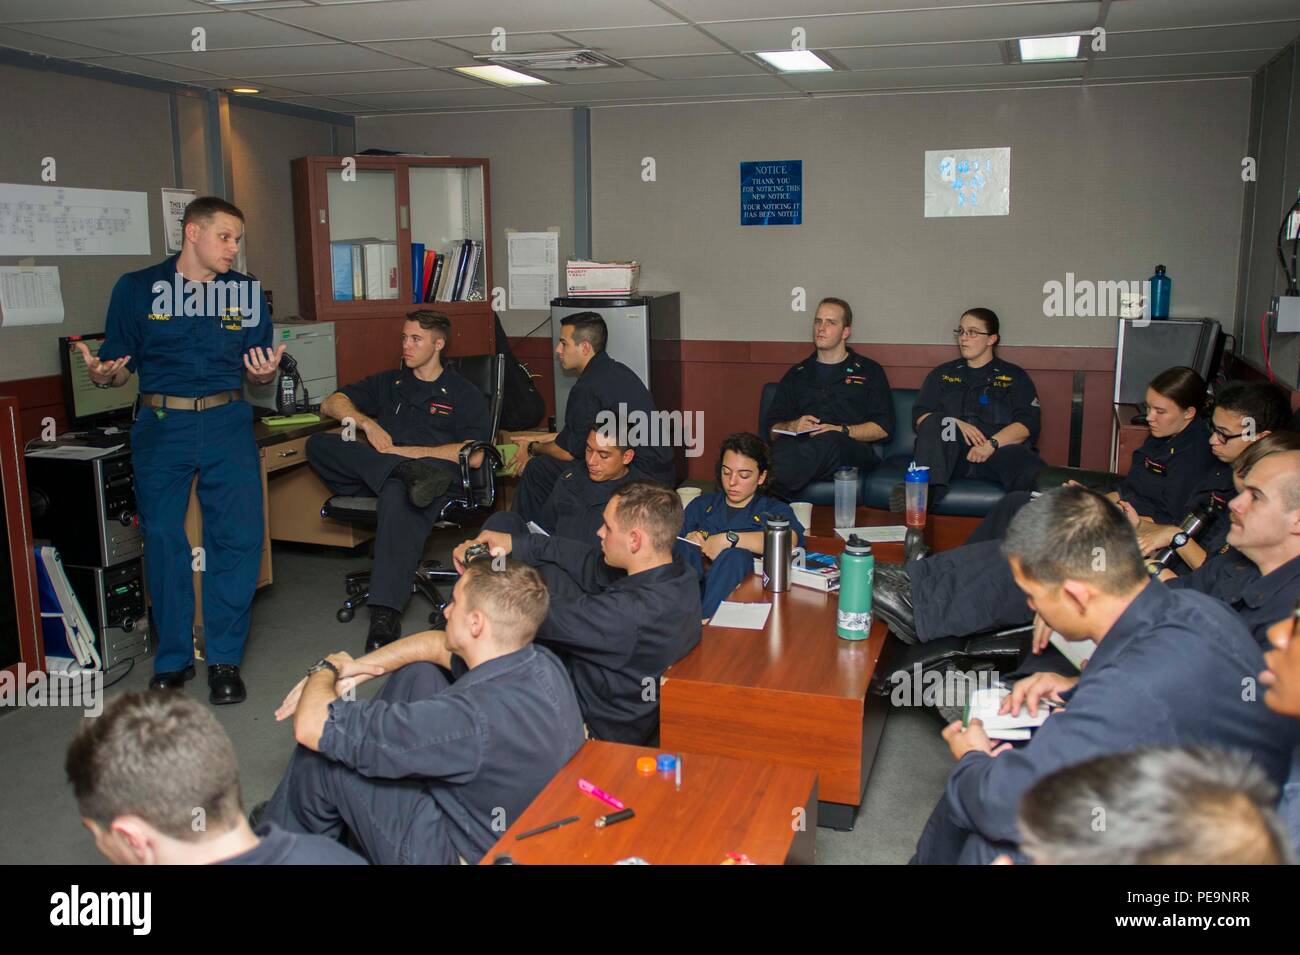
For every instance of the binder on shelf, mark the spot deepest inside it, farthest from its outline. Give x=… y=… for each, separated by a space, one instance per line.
x=432 y=261
x=341 y=270
x=462 y=260
x=358 y=273
x=417 y=272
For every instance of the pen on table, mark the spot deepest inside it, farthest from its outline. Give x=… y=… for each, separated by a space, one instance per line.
x=679 y=771
x=600 y=794
x=614 y=817
x=547 y=828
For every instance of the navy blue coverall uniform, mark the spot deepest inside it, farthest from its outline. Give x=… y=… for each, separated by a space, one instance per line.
x=429 y=770
x=604 y=385
x=617 y=633
x=1169 y=672
x=447 y=410
x=190 y=356
x=711 y=514
x=851 y=392
x=990 y=397
x=575 y=510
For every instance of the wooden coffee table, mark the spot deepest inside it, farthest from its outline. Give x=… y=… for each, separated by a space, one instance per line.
x=793 y=692
x=767 y=811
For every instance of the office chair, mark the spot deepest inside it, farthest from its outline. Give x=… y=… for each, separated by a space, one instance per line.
x=474 y=497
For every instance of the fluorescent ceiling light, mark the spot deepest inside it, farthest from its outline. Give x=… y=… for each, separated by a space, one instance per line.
x=1037 y=49
x=501 y=75
x=794 y=61
x=244 y=89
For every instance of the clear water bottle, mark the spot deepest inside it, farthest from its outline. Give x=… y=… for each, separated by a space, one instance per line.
x=1161 y=288
x=846 y=497
x=857 y=573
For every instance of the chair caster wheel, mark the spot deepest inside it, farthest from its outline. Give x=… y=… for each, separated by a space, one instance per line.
x=344 y=615
x=354 y=589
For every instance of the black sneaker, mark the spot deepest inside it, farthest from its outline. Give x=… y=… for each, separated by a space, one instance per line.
x=385 y=627
x=425 y=482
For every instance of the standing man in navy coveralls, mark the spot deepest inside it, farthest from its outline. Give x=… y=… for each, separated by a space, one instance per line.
x=603 y=385
x=991 y=402
x=415 y=421
x=193 y=328
x=835 y=401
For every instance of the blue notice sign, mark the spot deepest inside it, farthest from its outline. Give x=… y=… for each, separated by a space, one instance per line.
x=771 y=193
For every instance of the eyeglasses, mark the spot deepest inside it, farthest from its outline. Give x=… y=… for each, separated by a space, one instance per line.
x=1223 y=435
x=968 y=333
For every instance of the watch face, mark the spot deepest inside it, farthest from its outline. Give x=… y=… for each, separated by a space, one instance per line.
x=733 y=536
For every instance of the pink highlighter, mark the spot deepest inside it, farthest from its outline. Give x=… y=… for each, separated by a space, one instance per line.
x=600 y=794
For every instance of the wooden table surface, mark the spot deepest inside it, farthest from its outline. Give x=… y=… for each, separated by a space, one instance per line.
x=767 y=811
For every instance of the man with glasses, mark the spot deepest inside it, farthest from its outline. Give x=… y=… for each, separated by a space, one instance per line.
x=977 y=416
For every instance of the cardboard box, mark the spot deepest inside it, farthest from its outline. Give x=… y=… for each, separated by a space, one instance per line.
x=602 y=278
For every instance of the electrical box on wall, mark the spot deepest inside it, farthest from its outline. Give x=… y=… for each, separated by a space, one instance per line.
x=1287 y=310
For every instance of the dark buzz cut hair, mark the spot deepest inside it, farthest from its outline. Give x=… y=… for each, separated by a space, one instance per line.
x=432 y=321
x=1072 y=533
x=1181 y=385
x=1262 y=401
x=843 y=307
x=513 y=597
x=159 y=756
x=988 y=317
x=205 y=207
x=1275 y=442
x=654 y=508
x=1165 y=806
x=748 y=444
x=588 y=327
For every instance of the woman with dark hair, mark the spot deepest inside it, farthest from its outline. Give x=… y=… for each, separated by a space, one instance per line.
x=726 y=527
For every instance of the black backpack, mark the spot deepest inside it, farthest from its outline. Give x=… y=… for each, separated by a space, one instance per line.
x=522 y=405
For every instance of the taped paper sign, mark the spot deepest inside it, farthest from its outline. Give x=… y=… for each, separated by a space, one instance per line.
x=967 y=182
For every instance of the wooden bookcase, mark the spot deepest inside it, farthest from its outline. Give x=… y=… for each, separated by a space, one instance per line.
x=394 y=199
x=21 y=641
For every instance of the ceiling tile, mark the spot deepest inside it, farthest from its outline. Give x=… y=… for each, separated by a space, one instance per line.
x=18 y=40
x=983 y=23
x=278 y=61
x=917 y=54
x=159 y=71
x=646 y=41
x=701 y=10
x=1258 y=36
x=1186 y=65
x=688 y=67
x=374 y=81
x=937 y=77
x=1155 y=14
x=664 y=89
x=612 y=74
x=428 y=52
x=14 y=10
x=170 y=34
x=322 y=102
x=515 y=43
x=441 y=98
x=270 y=90
x=404 y=19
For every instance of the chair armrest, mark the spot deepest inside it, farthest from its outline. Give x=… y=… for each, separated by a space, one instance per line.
x=467 y=451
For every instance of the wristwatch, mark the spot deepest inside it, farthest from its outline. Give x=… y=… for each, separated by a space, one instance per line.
x=323 y=665
x=105 y=387
x=844 y=428
x=1179 y=539
x=994 y=442
x=531 y=446
x=733 y=537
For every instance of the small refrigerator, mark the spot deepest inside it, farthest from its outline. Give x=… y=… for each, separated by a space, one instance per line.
x=645 y=332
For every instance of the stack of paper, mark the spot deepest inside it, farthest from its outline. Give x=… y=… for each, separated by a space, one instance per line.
x=741 y=616
x=892 y=534
x=983 y=704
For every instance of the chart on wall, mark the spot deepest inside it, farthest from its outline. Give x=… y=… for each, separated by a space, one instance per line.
x=53 y=220
x=967 y=182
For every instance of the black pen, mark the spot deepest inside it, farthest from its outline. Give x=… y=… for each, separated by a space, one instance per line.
x=546 y=828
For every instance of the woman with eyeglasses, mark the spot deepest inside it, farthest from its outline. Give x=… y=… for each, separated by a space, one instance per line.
x=977 y=416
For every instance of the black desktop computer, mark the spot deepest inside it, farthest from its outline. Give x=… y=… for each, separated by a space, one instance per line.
x=113 y=599
x=86 y=509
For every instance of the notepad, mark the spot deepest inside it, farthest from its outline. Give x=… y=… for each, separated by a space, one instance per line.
x=741 y=616
x=983 y=703
x=1076 y=651
x=793 y=434
x=287 y=421
x=891 y=534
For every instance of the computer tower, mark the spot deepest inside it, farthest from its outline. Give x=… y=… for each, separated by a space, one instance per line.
x=86 y=509
x=113 y=599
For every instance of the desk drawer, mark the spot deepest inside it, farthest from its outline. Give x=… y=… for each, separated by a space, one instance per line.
x=286 y=454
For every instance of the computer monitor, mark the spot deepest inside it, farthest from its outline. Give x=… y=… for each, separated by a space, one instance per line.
x=1147 y=348
x=88 y=406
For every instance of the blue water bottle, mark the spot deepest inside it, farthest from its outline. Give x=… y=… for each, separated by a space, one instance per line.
x=1161 y=287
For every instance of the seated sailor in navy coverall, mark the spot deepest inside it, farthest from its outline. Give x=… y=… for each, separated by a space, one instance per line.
x=1283 y=696
x=432 y=769
x=1168 y=670
x=577 y=502
x=726 y=527
x=835 y=403
x=416 y=420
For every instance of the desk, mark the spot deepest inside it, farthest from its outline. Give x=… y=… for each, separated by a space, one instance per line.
x=292 y=496
x=793 y=692
x=766 y=811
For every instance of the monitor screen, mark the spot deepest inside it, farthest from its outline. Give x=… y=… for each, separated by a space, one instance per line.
x=1148 y=348
x=86 y=404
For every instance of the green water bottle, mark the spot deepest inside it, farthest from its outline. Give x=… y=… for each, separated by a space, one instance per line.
x=857 y=570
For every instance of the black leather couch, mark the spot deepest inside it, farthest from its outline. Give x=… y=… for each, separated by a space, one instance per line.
x=966 y=498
